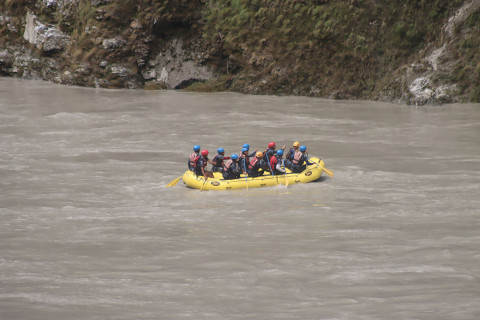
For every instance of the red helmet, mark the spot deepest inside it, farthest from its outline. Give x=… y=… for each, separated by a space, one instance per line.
x=204 y=152
x=272 y=145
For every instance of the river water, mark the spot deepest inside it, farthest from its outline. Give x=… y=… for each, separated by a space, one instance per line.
x=89 y=231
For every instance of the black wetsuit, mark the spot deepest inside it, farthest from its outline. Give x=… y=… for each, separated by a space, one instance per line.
x=254 y=169
x=201 y=162
x=218 y=163
x=230 y=170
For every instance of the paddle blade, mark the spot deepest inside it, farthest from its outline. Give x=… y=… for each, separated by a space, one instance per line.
x=285 y=168
x=203 y=185
x=330 y=173
x=174 y=182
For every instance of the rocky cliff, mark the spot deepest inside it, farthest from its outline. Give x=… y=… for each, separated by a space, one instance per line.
x=414 y=52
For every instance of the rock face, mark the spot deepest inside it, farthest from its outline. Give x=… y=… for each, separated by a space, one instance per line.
x=6 y=59
x=175 y=64
x=177 y=67
x=101 y=57
x=45 y=38
x=114 y=43
x=423 y=91
x=251 y=47
x=424 y=78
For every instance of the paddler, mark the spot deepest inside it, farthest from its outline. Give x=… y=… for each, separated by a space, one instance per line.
x=269 y=152
x=300 y=160
x=276 y=162
x=217 y=162
x=201 y=165
x=231 y=168
x=289 y=156
x=193 y=157
x=245 y=155
x=254 y=168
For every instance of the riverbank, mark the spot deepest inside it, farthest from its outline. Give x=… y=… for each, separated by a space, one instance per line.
x=408 y=52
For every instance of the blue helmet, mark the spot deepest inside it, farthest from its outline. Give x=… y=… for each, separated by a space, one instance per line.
x=234 y=156
x=244 y=149
x=280 y=152
x=246 y=145
x=303 y=148
x=220 y=150
x=196 y=148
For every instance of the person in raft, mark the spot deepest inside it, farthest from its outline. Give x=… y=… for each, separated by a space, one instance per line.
x=269 y=154
x=201 y=165
x=254 y=168
x=193 y=157
x=291 y=153
x=244 y=159
x=231 y=170
x=275 y=163
x=300 y=160
x=217 y=162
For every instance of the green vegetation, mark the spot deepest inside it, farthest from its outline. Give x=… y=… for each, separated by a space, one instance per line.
x=467 y=68
x=329 y=48
x=323 y=44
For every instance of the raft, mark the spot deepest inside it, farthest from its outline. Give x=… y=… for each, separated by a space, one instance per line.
x=311 y=173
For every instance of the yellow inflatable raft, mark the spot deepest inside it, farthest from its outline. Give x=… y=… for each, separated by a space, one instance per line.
x=311 y=173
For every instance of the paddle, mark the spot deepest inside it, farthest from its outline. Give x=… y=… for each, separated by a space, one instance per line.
x=245 y=166
x=203 y=185
x=330 y=173
x=174 y=182
x=285 y=168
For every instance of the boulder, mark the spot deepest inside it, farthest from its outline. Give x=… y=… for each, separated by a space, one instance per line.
x=49 y=3
x=97 y=3
x=120 y=70
x=45 y=38
x=6 y=58
x=113 y=43
x=421 y=91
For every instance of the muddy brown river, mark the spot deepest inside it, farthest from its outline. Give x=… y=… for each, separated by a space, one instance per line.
x=89 y=231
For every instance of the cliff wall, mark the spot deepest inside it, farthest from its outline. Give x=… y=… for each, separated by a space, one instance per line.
x=413 y=52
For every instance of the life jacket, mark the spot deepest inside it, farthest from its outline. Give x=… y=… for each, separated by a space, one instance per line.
x=247 y=157
x=204 y=162
x=253 y=163
x=227 y=166
x=218 y=161
x=274 y=161
x=193 y=159
x=297 y=157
